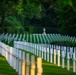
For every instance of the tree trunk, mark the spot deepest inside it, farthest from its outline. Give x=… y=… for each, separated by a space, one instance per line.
x=2 y=22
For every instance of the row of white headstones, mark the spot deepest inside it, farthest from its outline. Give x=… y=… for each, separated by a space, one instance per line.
x=20 y=60
x=48 y=51
x=43 y=51
x=43 y=38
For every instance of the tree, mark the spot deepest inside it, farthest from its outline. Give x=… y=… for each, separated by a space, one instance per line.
x=66 y=16
x=74 y=5
x=7 y=8
x=32 y=9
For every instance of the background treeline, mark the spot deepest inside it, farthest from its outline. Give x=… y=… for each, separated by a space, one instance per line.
x=20 y=16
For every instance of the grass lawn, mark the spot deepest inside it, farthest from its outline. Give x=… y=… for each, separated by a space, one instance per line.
x=48 y=68
x=5 y=69
x=52 y=69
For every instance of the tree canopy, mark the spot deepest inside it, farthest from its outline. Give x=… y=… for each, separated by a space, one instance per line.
x=20 y=14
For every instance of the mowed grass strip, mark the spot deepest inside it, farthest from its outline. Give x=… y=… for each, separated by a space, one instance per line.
x=49 y=69
x=5 y=68
x=52 y=69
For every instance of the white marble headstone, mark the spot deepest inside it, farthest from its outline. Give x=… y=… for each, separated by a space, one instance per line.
x=44 y=31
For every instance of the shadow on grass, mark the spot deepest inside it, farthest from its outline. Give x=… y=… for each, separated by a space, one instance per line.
x=5 y=69
x=53 y=69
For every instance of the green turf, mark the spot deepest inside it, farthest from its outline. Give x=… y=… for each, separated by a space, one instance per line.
x=52 y=69
x=5 y=69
